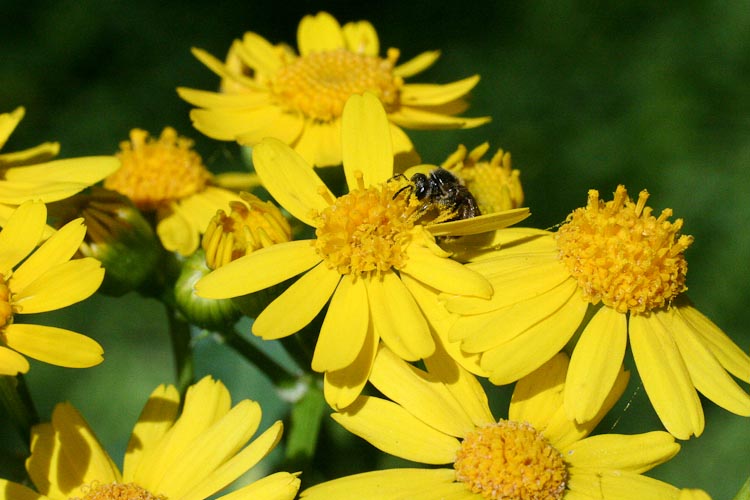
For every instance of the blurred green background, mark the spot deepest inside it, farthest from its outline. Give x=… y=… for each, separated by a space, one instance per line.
x=651 y=95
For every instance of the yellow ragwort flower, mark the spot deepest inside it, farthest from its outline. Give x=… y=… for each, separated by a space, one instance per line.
x=269 y=91
x=625 y=268
x=367 y=257
x=190 y=456
x=442 y=417
x=35 y=280
x=167 y=176
x=31 y=175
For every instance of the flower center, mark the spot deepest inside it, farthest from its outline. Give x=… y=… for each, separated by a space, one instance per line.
x=250 y=226
x=511 y=460
x=156 y=172
x=319 y=83
x=622 y=255
x=365 y=231
x=117 y=491
x=6 y=310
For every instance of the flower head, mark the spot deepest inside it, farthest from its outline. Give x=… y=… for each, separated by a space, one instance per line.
x=367 y=257
x=36 y=280
x=441 y=417
x=269 y=91
x=167 y=176
x=624 y=268
x=177 y=456
x=31 y=174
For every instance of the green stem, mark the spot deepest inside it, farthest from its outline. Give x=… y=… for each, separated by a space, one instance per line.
x=744 y=493
x=179 y=333
x=278 y=374
x=17 y=401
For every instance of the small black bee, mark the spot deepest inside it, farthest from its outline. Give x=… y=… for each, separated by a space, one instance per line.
x=441 y=189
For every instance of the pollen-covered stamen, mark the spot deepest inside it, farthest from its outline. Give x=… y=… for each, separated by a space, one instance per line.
x=622 y=255
x=364 y=231
x=117 y=491
x=156 y=172
x=511 y=460
x=6 y=310
x=319 y=83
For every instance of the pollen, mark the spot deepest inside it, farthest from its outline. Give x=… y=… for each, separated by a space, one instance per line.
x=155 y=172
x=511 y=460
x=318 y=84
x=366 y=231
x=251 y=224
x=622 y=255
x=495 y=184
x=117 y=491
x=6 y=310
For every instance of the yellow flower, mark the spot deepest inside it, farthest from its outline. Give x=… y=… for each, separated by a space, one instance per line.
x=167 y=176
x=367 y=258
x=268 y=91
x=187 y=457
x=441 y=416
x=625 y=268
x=494 y=184
x=41 y=280
x=29 y=174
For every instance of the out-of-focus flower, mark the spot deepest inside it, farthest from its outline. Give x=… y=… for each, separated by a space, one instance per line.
x=35 y=280
x=269 y=91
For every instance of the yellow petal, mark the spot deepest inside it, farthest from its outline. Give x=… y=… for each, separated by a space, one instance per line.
x=207 y=99
x=59 y=248
x=220 y=69
x=12 y=363
x=344 y=328
x=54 y=345
x=21 y=234
x=9 y=122
x=637 y=453
x=86 y=170
x=30 y=156
x=342 y=387
x=319 y=143
x=61 y=286
x=15 y=491
x=248 y=126
x=404 y=154
x=418 y=119
x=706 y=372
x=619 y=485
x=290 y=180
x=417 y=64
x=526 y=352
x=17 y=192
x=443 y=274
x=257 y=53
x=665 y=377
x=366 y=141
x=430 y=94
x=480 y=224
x=319 y=33
x=595 y=363
x=539 y=395
x=258 y=270
x=176 y=232
x=388 y=483
x=298 y=305
x=361 y=37
x=156 y=418
x=278 y=486
x=392 y=429
x=423 y=396
x=397 y=318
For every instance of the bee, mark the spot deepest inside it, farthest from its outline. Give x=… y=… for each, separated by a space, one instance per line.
x=442 y=190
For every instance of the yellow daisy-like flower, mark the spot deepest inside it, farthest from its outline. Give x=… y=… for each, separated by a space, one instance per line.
x=442 y=417
x=271 y=92
x=35 y=281
x=624 y=267
x=29 y=174
x=187 y=457
x=495 y=184
x=366 y=258
x=167 y=176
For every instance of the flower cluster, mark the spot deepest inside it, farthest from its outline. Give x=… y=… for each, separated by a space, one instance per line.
x=403 y=292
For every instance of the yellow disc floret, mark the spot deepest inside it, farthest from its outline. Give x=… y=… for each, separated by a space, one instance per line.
x=511 y=460
x=156 y=172
x=319 y=83
x=365 y=231
x=622 y=255
x=117 y=491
